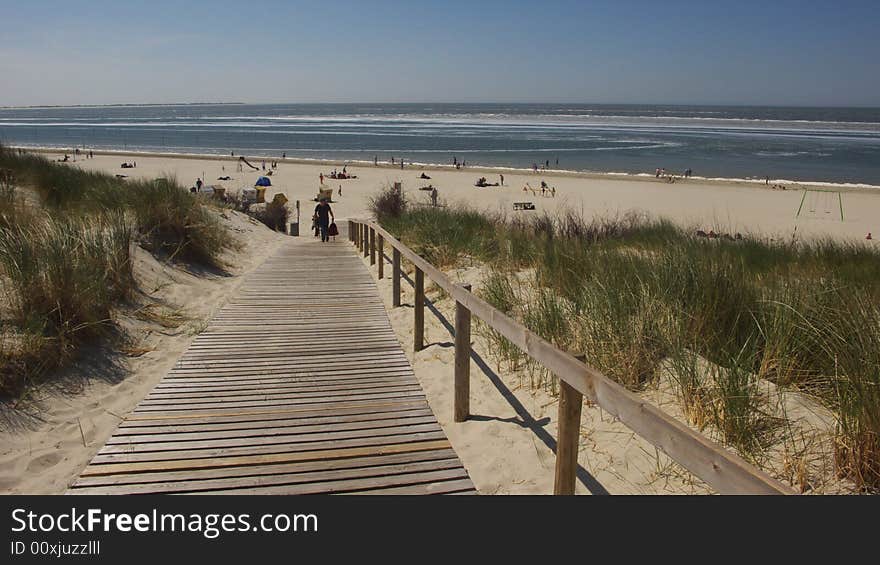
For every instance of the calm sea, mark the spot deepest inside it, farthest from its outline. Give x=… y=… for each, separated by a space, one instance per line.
x=839 y=145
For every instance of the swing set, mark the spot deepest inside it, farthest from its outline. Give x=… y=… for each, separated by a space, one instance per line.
x=814 y=198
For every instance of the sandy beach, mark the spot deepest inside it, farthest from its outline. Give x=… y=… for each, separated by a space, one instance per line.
x=723 y=206
x=508 y=448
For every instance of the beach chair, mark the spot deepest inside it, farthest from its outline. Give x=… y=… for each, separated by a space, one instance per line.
x=523 y=206
x=325 y=193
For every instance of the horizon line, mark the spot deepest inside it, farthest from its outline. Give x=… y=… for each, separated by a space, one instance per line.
x=239 y=103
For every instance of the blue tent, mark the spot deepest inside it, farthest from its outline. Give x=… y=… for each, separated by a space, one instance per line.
x=263 y=181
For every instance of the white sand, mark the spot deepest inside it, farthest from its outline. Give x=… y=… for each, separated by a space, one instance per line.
x=50 y=437
x=718 y=205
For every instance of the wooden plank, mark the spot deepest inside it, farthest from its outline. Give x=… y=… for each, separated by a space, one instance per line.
x=462 y=391
x=265 y=469
x=463 y=486
x=395 y=277
x=381 y=474
x=221 y=453
x=259 y=459
x=419 y=312
x=336 y=408
x=229 y=440
x=569 y=423
x=381 y=252
x=214 y=429
x=355 y=485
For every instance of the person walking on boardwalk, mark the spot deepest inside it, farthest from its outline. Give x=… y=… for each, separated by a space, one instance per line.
x=324 y=213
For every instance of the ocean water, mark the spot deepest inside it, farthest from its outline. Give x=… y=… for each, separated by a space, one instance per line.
x=839 y=145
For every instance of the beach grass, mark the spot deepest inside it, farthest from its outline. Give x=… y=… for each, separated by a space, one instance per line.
x=66 y=255
x=638 y=295
x=61 y=279
x=169 y=220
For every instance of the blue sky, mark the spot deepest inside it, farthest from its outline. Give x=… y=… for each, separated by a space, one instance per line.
x=779 y=52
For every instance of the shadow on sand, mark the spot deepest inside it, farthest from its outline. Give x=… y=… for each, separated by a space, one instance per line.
x=524 y=419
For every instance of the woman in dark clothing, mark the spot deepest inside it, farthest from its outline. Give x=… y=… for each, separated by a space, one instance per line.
x=324 y=213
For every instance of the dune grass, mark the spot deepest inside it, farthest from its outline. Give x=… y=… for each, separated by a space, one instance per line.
x=61 y=279
x=637 y=294
x=169 y=219
x=66 y=259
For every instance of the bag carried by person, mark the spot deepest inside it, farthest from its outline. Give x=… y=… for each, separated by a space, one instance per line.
x=333 y=230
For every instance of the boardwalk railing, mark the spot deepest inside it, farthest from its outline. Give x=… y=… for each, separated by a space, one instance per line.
x=724 y=471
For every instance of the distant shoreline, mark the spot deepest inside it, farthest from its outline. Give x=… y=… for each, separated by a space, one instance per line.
x=60 y=106
x=721 y=181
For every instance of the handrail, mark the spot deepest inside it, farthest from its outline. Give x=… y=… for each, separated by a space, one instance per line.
x=724 y=471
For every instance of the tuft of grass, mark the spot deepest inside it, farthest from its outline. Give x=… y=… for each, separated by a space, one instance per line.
x=176 y=223
x=388 y=203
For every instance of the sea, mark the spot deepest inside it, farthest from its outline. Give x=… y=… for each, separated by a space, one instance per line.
x=798 y=144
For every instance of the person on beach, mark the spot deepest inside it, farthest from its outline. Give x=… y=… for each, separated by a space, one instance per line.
x=340 y=190
x=264 y=165
x=375 y=160
x=321 y=178
x=324 y=214
x=284 y=155
x=198 y=184
x=502 y=179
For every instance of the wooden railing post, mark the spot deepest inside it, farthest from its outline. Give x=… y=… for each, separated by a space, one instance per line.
x=395 y=277
x=366 y=240
x=372 y=247
x=380 y=249
x=569 y=425
x=357 y=235
x=419 y=330
x=462 y=407
x=350 y=231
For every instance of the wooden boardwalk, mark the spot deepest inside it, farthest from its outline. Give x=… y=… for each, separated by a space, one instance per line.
x=297 y=386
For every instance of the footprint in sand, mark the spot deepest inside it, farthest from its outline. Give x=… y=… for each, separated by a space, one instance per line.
x=44 y=462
